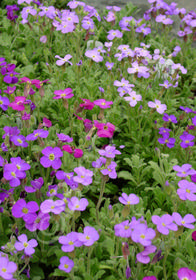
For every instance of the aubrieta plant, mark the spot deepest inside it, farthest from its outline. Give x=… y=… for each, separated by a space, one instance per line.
x=97 y=150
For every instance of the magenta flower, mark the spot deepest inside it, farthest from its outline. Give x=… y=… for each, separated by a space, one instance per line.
x=51 y=157
x=149 y=278
x=62 y=61
x=52 y=190
x=4 y=102
x=24 y=244
x=7 y=268
x=186 y=273
x=89 y=236
x=10 y=90
x=37 y=133
x=24 y=210
x=47 y=122
x=18 y=104
x=186 y=221
x=104 y=130
x=77 y=205
x=194 y=235
x=66 y=264
x=113 y=34
x=64 y=138
x=70 y=241
x=40 y=222
x=164 y=223
x=77 y=153
x=87 y=105
x=160 y=108
x=84 y=176
x=186 y=140
x=50 y=205
x=102 y=103
x=184 y=171
x=186 y=190
x=65 y=94
x=129 y=199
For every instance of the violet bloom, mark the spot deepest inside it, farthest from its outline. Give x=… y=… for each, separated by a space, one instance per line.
x=99 y=162
x=94 y=55
x=65 y=94
x=18 y=104
x=184 y=171
x=89 y=236
x=7 y=268
x=55 y=207
x=24 y=244
x=37 y=133
x=52 y=190
x=164 y=223
x=114 y=34
x=51 y=157
x=110 y=170
x=160 y=108
x=109 y=152
x=142 y=71
x=24 y=210
x=20 y=164
x=36 y=185
x=47 y=122
x=170 y=118
x=143 y=235
x=40 y=222
x=129 y=199
x=143 y=257
x=19 y=140
x=4 y=102
x=69 y=242
x=166 y=84
x=186 y=190
x=87 y=23
x=62 y=61
x=77 y=153
x=186 y=221
x=149 y=278
x=10 y=90
x=13 y=174
x=64 y=138
x=109 y=65
x=84 y=176
x=133 y=98
x=186 y=140
x=102 y=103
x=77 y=205
x=163 y=131
x=123 y=229
x=66 y=264
x=170 y=142
x=186 y=273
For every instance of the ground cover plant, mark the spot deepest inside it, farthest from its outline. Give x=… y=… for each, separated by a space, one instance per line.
x=97 y=129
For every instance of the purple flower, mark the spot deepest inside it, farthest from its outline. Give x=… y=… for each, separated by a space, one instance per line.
x=52 y=190
x=19 y=140
x=186 y=109
x=102 y=103
x=55 y=207
x=186 y=190
x=110 y=170
x=70 y=241
x=124 y=229
x=149 y=278
x=170 y=118
x=141 y=71
x=77 y=205
x=84 y=176
x=87 y=23
x=66 y=264
x=163 y=130
x=37 y=133
x=40 y=222
x=113 y=34
x=129 y=199
x=24 y=244
x=7 y=268
x=186 y=273
x=64 y=138
x=109 y=65
x=10 y=90
x=62 y=61
x=4 y=102
x=24 y=210
x=143 y=257
x=36 y=185
x=128 y=272
x=109 y=152
x=94 y=55
x=186 y=221
x=20 y=164
x=99 y=162
x=160 y=108
x=51 y=157
x=170 y=142
x=164 y=223
x=133 y=98
x=89 y=236
x=65 y=94
x=13 y=174
x=184 y=171
x=143 y=235
x=186 y=140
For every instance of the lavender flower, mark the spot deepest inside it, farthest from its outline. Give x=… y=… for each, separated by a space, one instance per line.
x=4 y=102
x=37 y=133
x=186 y=190
x=186 y=140
x=164 y=223
x=186 y=273
x=129 y=199
x=24 y=210
x=55 y=207
x=170 y=118
x=109 y=152
x=84 y=176
x=77 y=205
x=110 y=170
x=113 y=34
x=143 y=257
x=66 y=264
x=62 y=61
x=89 y=236
x=7 y=268
x=184 y=171
x=186 y=221
x=24 y=244
x=70 y=241
x=160 y=108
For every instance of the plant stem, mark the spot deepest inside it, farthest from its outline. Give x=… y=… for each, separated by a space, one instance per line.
x=89 y=258
x=100 y=198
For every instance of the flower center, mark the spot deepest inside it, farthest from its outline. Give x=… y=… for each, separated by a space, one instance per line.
x=103 y=103
x=52 y=207
x=25 y=244
x=1 y=102
x=188 y=191
x=109 y=170
x=51 y=157
x=66 y=266
x=25 y=210
x=36 y=134
x=3 y=269
x=13 y=174
x=37 y=220
x=68 y=177
x=105 y=127
x=126 y=227
x=19 y=141
x=52 y=191
x=82 y=176
x=183 y=222
x=70 y=243
x=63 y=95
x=142 y=236
x=187 y=141
x=87 y=237
x=18 y=166
x=163 y=224
x=77 y=206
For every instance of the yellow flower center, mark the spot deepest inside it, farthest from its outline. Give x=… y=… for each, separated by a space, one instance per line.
x=52 y=207
x=183 y=222
x=66 y=266
x=3 y=269
x=36 y=134
x=19 y=141
x=77 y=206
x=103 y=103
x=1 y=102
x=18 y=166
x=51 y=157
x=163 y=224
x=25 y=210
x=13 y=174
x=70 y=243
x=26 y=244
x=188 y=191
x=126 y=227
x=187 y=141
x=63 y=95
x=82 y=176
x=88 y=237
x=68 y=177
x=142 y=236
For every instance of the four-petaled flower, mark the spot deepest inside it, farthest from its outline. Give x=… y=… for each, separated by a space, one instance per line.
x=51 y=157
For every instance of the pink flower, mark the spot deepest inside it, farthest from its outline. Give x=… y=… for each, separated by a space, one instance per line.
x=104 y=130
x=87 y=105
x=77 y=153
x=66 y=93
x=160 y=108
x=47 y=122
x=62 y=61
x=102 y=103
x=18 y=104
